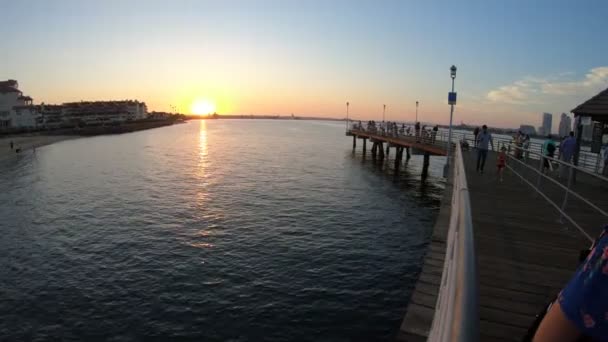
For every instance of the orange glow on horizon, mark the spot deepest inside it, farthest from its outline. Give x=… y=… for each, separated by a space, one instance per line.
x=202 y=107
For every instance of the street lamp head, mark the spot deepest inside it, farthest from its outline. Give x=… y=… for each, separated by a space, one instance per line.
x=416 y=103
x=453 y=71
x=347 y=103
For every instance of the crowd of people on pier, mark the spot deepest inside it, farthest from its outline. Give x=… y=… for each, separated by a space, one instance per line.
x=519 y=147
x=394 y=129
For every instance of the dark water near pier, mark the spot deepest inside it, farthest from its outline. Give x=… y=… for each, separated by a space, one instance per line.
x=210 y=231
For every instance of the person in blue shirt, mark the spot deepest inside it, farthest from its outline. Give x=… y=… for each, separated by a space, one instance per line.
x=566 y=152
x=580 y=312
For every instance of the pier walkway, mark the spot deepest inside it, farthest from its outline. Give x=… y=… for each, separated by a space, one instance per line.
x=511 y=246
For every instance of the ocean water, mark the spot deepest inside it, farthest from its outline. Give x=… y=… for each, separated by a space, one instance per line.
x=221 y=230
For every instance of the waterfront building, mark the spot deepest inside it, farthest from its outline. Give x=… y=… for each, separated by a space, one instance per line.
x=565 y=125
x=546 y=123
x=540 y=130
x=16 y=109
x=527 y=129
x=52 y=115
x=103 y=112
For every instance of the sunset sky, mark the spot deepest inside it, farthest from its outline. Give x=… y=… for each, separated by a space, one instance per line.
x=515 y=59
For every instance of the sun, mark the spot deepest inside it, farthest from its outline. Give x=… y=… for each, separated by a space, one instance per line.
x=202 y=107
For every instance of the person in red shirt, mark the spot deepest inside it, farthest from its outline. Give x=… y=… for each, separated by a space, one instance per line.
x=501 y=162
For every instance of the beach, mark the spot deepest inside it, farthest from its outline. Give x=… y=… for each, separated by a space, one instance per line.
x=28 y=142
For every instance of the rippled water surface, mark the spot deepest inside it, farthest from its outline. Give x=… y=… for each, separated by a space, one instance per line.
x=210 y=231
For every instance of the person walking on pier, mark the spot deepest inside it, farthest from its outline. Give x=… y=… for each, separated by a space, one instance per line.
x=483 y=141
x=501 y=162
x=566 y=152
x=548 y=150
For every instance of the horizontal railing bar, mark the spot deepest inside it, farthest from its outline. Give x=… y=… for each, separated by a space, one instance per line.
x=566 y=163
x=577 y=195
x=553 y=204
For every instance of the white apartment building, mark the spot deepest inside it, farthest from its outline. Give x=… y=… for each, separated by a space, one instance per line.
x=16 y=110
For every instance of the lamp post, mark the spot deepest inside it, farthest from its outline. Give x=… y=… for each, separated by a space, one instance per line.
x=416 y=111
x=451 y=102
x=383 y=116
x=347 y=115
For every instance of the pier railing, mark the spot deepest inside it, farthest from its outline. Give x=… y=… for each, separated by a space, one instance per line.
x=456 y=312
x=574 y=191
x=438 y=139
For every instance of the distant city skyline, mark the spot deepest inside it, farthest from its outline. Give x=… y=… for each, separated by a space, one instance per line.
x=515 y=59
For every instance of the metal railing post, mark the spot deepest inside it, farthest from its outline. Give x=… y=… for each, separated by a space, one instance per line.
x=565 y=202
x=540 y=169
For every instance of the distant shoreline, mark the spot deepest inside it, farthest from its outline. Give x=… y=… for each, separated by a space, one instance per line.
x=27 y=141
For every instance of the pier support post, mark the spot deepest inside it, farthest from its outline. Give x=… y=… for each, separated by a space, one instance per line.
x=364 y=141
x=425 y=165
x=354 y=142
x=407 y=154
x=374 y=149
x=387 y=150
x=381 y=150
x=398 y=155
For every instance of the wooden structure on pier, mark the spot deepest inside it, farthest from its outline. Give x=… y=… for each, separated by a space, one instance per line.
x=402 y=143
x=423 y=144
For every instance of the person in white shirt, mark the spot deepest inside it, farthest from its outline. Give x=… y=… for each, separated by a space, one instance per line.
x=484 y=139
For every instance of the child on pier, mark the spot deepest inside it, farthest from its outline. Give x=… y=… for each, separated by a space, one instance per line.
x=501 y=161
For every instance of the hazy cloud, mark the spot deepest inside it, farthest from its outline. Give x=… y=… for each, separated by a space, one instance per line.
x=512 y=94
x=595 y=80
x=528 y=90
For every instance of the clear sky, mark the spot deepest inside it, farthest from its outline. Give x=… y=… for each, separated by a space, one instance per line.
x=515 y=59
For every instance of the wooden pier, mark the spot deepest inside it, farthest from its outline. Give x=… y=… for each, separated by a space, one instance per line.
x=525 y=254
x=428 y=146
x=524 y=257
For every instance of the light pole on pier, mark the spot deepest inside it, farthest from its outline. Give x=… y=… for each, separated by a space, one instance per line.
x=383 y=112
x=416 y=111
x=451 y=102
x=347 y=115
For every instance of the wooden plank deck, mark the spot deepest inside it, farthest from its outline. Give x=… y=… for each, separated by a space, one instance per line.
x=524 y=256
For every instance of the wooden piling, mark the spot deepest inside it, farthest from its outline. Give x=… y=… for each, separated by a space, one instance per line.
x=354 y=142
x=381 y=149
x=398 y=154
x=425 y=165
x=364 y=143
